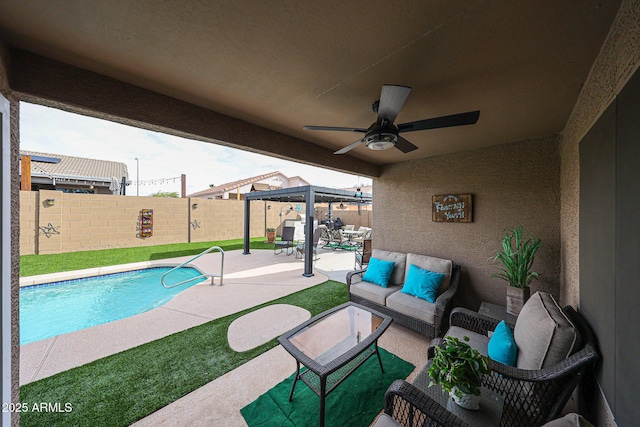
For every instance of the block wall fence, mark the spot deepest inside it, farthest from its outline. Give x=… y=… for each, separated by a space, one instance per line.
x=83 y=222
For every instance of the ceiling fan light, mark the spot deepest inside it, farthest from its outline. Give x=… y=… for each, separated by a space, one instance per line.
x=380 y=145
x=381 y=141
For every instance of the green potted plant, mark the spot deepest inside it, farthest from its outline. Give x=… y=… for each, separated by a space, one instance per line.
x=271 y=235
x=517 y=256
x=459 y=368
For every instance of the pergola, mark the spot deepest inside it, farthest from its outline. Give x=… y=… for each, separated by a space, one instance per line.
x=308 y=194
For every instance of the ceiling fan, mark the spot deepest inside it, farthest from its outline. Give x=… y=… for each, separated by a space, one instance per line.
x=383 y=134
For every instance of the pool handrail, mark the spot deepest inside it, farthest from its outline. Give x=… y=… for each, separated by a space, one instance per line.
x=218 y=248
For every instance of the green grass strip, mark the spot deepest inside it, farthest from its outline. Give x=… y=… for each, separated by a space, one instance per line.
x=31 y=265
x=125 y=387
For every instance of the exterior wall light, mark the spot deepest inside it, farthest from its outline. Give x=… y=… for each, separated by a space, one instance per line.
x=194 y=206
x=50 y=202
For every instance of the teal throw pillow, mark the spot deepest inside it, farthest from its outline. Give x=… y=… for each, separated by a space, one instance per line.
x=379 y=271
x=502 y=347
x=422 y=283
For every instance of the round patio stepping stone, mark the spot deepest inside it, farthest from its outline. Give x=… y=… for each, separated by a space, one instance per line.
x=258 y=327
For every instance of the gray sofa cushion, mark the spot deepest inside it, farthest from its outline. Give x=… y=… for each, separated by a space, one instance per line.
x=437 y=265
x=373 y=292
x=412 y=306
x=397 y=277
x=476 y=340
x=543 y=334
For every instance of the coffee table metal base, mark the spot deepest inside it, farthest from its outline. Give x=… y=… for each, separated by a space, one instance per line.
x=322 y=386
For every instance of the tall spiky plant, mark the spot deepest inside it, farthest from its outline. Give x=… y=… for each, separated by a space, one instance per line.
x=516 y=257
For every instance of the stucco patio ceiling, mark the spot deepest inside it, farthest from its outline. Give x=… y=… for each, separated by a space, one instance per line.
x=293 y=63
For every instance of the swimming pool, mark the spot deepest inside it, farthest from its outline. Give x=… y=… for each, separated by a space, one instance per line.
x=58 y=308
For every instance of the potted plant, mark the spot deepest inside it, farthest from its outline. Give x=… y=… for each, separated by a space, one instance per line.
x=271 y=235
x=459 y=368
x=517 y=256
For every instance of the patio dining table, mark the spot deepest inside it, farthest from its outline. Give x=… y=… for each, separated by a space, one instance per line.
x=350 y=234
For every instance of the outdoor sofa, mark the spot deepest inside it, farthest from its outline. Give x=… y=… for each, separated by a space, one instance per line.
x=556 y=351
x=407 y=310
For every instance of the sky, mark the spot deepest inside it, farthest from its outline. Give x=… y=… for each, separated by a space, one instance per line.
x=161 y=156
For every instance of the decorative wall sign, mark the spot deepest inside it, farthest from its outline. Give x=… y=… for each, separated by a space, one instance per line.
x=451 y=208
x=146 y=223
x=49 y=230
x=195 y=224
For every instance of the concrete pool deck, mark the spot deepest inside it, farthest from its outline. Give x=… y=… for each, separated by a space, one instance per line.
x=249 y=280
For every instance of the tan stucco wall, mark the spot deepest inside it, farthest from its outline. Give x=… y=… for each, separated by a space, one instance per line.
x=29 y=222
x=618 y=59
x=85 y=222
x=512 y=184
x=364 y=218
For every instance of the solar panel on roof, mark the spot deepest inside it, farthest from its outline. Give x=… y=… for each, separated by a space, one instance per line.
x=43 y=159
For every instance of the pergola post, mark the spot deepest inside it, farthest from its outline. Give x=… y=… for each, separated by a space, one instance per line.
x=247 y=226
x=310 y=199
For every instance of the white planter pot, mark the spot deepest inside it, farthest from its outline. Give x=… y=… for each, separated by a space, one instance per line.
x=467 y=401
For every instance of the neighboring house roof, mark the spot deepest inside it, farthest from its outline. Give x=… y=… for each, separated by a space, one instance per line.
x=254 y=181
x=70 y=168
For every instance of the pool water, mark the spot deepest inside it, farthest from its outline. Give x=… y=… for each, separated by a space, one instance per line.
x=63 y=307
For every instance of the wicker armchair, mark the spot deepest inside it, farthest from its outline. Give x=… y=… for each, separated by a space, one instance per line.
x=532 y=397
x=405 y=405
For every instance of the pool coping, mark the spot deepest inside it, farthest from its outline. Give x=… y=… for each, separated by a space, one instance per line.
x=96 y=271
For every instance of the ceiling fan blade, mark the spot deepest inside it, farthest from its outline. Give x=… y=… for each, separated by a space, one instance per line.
x=334 y=128
x=392 y=99
x=349 y=147
x=404 y=145
x=468 y=118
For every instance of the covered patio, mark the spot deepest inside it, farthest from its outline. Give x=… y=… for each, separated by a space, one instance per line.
x=554 y=148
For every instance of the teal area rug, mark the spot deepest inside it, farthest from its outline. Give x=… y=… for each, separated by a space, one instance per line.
x=354 y=403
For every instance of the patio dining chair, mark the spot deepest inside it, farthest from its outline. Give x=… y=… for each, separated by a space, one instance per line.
x=285 y=242
x=301 y=246
x=366 y=235
x=325 y=236
x=363 y=255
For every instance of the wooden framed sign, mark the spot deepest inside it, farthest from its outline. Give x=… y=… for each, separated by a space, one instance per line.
x=451 y=208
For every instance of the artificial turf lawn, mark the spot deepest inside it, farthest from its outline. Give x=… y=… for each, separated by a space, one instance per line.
x=53 y=263
x=125 y=387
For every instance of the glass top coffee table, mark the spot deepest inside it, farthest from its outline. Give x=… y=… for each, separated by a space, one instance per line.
x=332 y=345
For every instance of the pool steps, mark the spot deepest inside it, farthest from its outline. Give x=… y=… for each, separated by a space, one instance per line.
x=204 y=275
